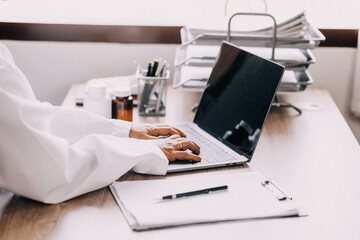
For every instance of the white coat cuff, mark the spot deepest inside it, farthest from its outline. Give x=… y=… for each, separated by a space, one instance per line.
x=156 y=162
x=121 y=128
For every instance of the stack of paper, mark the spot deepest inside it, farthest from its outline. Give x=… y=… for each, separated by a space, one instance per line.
x=205 y=56
x=295 y=32
x=295 y=37
x=192 y=77
x=295 y=81
x=248 y=197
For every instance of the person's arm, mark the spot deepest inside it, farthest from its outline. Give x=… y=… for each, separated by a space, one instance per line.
x=52 y=154
x=50 y=162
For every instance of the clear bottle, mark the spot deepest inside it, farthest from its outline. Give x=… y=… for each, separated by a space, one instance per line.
x=122 y=104
x=97 y=100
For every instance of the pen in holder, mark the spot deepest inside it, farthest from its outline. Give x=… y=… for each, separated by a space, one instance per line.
x=152 y=94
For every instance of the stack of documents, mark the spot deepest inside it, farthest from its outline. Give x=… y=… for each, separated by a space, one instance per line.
x=295 y=32
x=249 y=196
x=205 y=56
x=295 y=81
x=295 y=38
x=192 y=77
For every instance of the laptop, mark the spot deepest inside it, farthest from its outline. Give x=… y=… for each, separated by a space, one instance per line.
x=232 y=110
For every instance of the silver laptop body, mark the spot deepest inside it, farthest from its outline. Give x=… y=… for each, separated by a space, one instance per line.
x=232 y=110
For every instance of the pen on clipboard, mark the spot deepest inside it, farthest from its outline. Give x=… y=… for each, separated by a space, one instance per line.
x=194 y=193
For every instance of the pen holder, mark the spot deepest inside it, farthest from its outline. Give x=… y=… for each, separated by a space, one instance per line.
x=151 y=94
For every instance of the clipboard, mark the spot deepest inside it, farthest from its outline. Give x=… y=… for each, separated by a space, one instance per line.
x=249 y=196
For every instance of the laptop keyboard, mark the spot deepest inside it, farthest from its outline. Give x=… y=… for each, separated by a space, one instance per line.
x=209 y=152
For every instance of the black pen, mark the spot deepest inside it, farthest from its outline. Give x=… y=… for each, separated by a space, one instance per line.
x=154 y=68
x=150 y=67
x=194 y=193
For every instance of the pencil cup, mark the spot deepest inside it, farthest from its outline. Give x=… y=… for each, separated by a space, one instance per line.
x=151 y=94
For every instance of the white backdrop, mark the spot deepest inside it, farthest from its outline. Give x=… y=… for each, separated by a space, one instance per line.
x=322 y=13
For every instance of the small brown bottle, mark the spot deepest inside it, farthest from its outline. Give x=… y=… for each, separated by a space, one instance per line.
x=122 y=104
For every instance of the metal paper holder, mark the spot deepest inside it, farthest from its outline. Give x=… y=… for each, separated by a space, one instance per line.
x=276 y=102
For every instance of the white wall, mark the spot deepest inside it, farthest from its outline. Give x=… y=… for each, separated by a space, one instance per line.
x=334 y=70
x=52 y=67
x=322 y=13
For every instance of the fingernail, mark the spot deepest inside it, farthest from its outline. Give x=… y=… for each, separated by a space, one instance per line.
x=198 y=158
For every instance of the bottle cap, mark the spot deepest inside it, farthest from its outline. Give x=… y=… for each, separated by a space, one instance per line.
x=96 y=90
x=122 y=92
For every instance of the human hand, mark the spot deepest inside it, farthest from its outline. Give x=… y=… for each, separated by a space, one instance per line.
x=153 y=131
x=173 y=147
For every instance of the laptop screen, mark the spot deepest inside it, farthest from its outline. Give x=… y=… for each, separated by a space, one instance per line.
x=238 y=97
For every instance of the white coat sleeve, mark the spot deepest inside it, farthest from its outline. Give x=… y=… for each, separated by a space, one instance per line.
x=52 y=154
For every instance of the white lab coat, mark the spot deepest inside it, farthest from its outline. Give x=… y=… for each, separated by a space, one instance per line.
x=52 y=154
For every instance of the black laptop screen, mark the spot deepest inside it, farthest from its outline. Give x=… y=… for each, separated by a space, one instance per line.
x=238 y=97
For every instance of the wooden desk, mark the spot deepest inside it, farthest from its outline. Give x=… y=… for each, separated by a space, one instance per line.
x=315 y=157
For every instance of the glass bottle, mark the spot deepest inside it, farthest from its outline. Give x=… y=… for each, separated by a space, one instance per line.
x=122 y=104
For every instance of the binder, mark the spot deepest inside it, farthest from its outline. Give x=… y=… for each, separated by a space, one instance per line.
x=249 y=196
